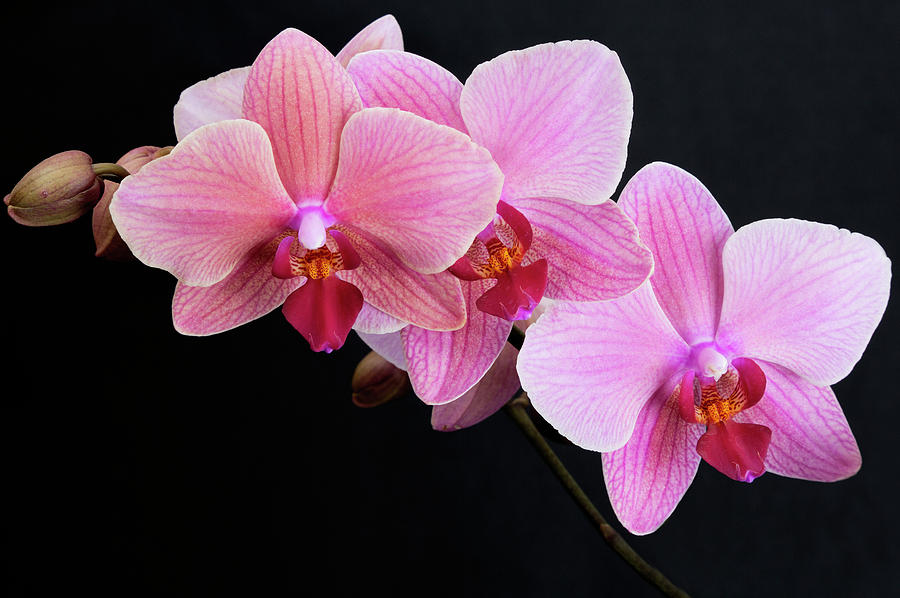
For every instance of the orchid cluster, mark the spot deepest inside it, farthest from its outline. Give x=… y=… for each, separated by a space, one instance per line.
x=372 y=190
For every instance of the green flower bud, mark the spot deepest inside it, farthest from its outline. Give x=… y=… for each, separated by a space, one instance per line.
x=58 y=190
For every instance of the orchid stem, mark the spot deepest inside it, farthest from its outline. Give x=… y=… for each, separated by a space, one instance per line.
x=517 y=410
x=109 y=169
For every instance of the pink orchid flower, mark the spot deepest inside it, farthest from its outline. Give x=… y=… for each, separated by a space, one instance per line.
x=556 y=118
x=310 y=201
x=726 y=354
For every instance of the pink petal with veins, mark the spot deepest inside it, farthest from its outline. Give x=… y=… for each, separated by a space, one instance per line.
x=685 y=229
x=374 y=321
x=811 y=438
x=302 y=97
x=594 y=251
x=200 y=210
x=555 y=117
x=444 y=365
x=804 y=295
x=249 y=292
x=422 y=189
x=589 y=368
x=381 y=34
x=484 y=399
x=392 y=79
x=209 y=101
x=647 y=478
x=433 y=301
x=323 y=311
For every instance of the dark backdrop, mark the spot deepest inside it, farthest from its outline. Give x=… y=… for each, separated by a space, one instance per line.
x=135 y=460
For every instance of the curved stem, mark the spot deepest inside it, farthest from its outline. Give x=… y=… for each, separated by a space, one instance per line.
x=517 y=410
x=104 y=169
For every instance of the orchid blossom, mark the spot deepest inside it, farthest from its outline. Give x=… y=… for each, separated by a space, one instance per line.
x=311 y=201
x=556 y=118
x=726 y=354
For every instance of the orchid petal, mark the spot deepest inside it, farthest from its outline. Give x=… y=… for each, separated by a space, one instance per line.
x=374 y=321
x=209 y=101
x=685 y=229
x=302 y=97
x=381 y=34
x=424 y=190
x=589 y=368
x=444 y=365
x=484 y=399
x=811 y=438
x=594 y=251
x=249 y=292
x=647 y=478
x=804 y=295
x=392 y=79
x=389 y=346
x=555 y=117
x=323 y=311
x=433 y=301
x=198 y=211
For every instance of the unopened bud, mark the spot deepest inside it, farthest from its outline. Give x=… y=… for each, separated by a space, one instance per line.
x=377 y=381
x=109 y=244
x=58 y=190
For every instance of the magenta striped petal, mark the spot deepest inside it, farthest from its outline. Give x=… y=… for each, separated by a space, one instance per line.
x=422 y=189
x=381 y=34
x=685 y=229
x=804 y=295
x=444 y=365
x=249 y=292
x=200 y=210
x=594 y=251
x=556 y=118
x=590 y=368
x=433 y=301
x=393 y=79
x=647 y=477
x=302 y=97
x=209 y=101
x=811 y=438
x=484 y=399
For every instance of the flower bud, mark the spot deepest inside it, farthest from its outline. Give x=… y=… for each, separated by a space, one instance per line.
x=377 y=381
x=109 y=244
x=58 y=190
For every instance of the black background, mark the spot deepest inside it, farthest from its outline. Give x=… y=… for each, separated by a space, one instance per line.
x=135 y=460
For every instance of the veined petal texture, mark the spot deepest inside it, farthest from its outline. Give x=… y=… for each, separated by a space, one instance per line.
x=803 y=295
x=200 y=210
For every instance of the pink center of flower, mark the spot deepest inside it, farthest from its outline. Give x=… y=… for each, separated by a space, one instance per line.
x=497 y=253
x=711 y=394
x=325 y=308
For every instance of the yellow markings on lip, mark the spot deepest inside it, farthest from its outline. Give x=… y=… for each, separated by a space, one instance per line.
x=714 y=407
x=319 y=263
